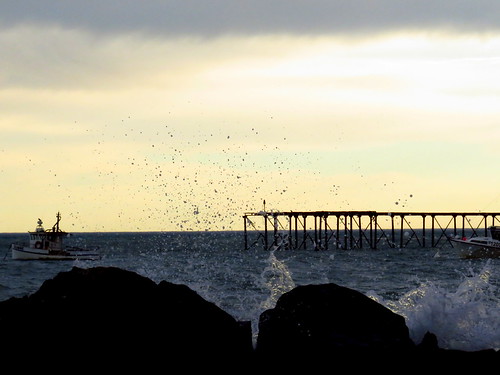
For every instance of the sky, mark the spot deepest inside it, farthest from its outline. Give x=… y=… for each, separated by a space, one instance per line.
x=184 y=115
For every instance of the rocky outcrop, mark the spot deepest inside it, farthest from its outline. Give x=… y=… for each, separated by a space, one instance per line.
x=328 y=318
x=107 y=316
x=326 y=325
x=110 y=315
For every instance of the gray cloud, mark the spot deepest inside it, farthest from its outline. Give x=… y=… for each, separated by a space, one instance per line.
x=216 y=17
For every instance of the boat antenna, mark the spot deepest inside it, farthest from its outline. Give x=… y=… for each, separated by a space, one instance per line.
x=39 y=227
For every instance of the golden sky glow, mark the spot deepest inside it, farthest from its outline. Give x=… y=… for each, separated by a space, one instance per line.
x=129 y=131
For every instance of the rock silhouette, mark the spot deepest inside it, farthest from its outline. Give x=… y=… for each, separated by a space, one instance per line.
x=327 y=318
x=107 y=316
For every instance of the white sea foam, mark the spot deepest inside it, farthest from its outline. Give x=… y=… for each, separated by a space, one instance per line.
x=465 y=319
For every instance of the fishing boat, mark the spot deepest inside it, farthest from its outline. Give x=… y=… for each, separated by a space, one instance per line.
x=480 y=247
x=49 y=244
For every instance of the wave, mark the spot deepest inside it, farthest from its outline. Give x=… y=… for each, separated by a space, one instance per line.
x=467 y=318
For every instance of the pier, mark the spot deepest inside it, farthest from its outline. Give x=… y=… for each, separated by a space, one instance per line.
x=323 y=230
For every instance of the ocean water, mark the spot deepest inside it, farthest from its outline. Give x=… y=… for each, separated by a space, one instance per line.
x=435 y=290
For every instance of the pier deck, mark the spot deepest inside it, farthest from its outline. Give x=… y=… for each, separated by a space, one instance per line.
x=322 y=230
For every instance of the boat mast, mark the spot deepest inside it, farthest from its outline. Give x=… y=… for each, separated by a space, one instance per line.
x=55 y=228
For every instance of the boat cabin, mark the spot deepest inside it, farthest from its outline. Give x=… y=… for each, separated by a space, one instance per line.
x=51 y=239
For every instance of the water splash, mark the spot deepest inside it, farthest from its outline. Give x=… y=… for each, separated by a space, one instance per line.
x=465 y=319
x=277 y=278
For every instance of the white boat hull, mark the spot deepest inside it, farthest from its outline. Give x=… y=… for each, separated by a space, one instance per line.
x=28 y=253
x=477 y=247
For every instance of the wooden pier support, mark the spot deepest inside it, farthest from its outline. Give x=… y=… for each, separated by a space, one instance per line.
x=361 y=229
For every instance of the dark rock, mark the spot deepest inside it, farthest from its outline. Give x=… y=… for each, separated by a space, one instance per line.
x=329 y=326
x=429 y=343
x=109 y=317
x=429 y=351
x=114 y=315
x=330 y=319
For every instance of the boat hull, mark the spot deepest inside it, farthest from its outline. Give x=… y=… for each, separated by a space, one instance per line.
x=28 y=253
x=473 y=248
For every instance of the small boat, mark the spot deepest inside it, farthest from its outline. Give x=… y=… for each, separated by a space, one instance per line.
x=480 y=247
x=49 y=244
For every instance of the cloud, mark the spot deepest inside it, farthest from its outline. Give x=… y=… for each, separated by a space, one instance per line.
x=216 y=17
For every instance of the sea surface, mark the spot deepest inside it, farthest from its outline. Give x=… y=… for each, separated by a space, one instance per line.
x=435 y=290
